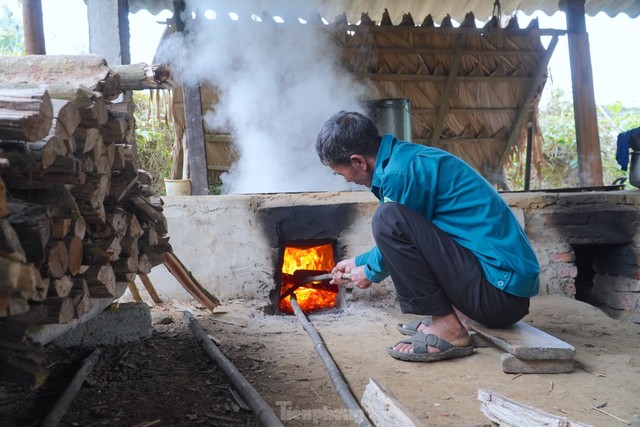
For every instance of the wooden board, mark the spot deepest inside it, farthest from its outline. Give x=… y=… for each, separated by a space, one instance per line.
x=507 y=412
x=526 y=342
x=384 y=409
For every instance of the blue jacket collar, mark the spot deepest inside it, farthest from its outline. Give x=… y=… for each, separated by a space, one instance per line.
x=384 y=153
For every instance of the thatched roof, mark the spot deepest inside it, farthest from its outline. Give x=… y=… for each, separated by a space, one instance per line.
x=472 y=90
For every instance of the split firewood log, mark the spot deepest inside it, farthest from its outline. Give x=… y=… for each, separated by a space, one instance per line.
x=75 y=252
x=129 y=246
x=95 y=114
x=146 y=212
x=25 y=114
x=101 y=281
x=33 y=227
x=91 y=71
x=125 y=265
x=114 y=130
x=156 y=254
x=135 y=230
x=60 y=205
x=86 y=138
x=60 y=287
x=17 y=278
x=66 y=118
x=144 y=76
x=10 y=246
x=80 y=297
x=60 y=227
x=122 y=183
x=27 y=176
x=4 y=208
x=34 y=155
x=101 y=251
x=118 y=219
x=149 y=238
x=57 y=258
x=58 y=310
x=144 y=264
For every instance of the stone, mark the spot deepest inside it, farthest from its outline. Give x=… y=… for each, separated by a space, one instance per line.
x=513 y=365
x=117 y=324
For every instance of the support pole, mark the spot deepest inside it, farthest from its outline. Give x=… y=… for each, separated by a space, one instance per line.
x=527 y=164
x=194 y=147
x=584 y=104
x=263 y=412
x=338 y=380
x=32 y=22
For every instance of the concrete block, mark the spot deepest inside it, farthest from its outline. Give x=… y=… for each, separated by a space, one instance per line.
x=128 y=322
x=513 y=365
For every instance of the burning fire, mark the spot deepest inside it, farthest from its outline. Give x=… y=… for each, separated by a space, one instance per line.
x=313 y=296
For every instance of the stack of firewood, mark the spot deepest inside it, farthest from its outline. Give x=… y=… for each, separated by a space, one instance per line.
x=78 y=219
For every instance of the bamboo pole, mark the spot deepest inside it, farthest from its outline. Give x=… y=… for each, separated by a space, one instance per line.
x=66 y=399
x=342 y=387
x=263 y=412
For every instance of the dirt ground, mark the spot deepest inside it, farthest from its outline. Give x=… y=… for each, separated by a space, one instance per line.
x=167 y=380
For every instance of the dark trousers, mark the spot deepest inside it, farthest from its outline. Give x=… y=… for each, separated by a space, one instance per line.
x=432 y=273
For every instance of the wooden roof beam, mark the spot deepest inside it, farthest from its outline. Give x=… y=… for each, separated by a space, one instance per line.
x=446 y=96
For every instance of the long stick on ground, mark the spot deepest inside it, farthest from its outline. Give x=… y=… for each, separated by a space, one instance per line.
x=263 y=412
x=334 y=372
x=62 y=405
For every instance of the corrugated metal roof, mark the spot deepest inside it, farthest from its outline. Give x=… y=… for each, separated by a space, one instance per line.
x=419 y=9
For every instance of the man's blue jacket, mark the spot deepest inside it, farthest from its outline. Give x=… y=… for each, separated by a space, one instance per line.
x=459 y=201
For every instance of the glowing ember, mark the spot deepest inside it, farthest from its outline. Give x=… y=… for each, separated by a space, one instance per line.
x=313 y=296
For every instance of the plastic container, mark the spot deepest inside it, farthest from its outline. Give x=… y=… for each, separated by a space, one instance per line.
x=177 y=187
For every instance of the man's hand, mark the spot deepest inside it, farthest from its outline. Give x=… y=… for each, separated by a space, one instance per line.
x=358 y=278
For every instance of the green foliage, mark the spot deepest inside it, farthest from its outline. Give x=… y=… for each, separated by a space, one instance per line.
x=154 y=139
x=560 y=165
x=11 y=33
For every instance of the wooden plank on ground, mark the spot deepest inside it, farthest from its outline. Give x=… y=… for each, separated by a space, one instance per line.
x=384 y=409
x=508 y=412
x=526 y=342
x=186 y=279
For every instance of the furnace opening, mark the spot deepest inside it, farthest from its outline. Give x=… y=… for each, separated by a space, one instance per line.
x=301 y=262
x=600 y=267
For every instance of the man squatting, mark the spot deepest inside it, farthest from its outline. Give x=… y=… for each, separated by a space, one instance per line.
x=452 y=246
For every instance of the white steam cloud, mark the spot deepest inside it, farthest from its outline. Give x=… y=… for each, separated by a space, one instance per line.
x=277 y=82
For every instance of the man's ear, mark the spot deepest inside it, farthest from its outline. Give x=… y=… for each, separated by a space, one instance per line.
x=359 y=161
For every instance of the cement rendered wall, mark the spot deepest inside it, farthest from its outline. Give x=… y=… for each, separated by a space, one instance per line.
x=223 y=240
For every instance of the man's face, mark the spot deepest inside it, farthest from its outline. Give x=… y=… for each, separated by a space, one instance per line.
x=358 y=171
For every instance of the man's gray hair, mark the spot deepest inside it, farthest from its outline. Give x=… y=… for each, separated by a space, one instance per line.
x=344 y=134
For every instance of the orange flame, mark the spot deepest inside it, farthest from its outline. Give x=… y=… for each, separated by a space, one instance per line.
x=310 y=298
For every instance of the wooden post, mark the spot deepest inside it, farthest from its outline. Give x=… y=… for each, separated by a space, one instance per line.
x=33 y=27
x=584 y=105
x=194 y=130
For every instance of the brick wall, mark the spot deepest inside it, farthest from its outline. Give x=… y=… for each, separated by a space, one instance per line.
x=603 y=223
